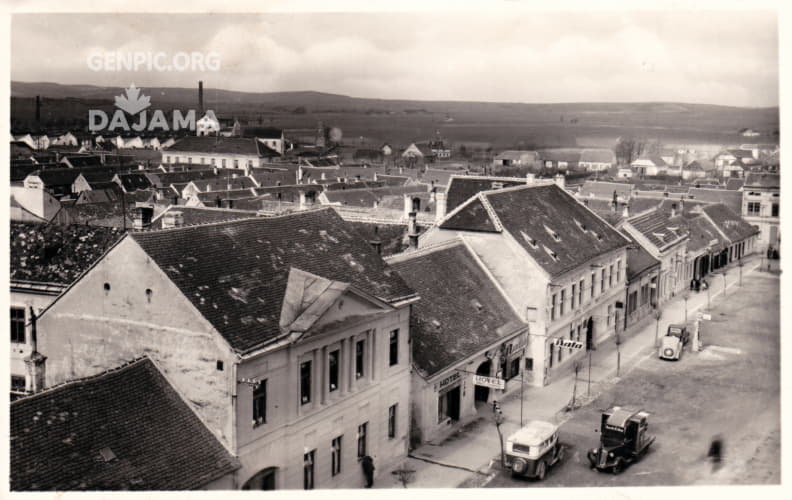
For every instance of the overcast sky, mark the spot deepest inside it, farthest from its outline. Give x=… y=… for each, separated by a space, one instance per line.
x=728 y=58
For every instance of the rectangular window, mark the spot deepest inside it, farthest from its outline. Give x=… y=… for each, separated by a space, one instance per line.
x=514 y=369
x=332 y=362
x=593 y=280
x=305 y=382
x=552 y=351
x=561 y=303
x=308 y=470
x=213 y=162
x=167 y=159
x=17 y=383
x=223 y=163
x=260 y=404
x=610 y=312
x=189 y=160
x=394 y=347
x=553 y=307
x=203 y=160
x=360 y=349
x=580 y=293
x=774 y=212
x=392 y=422
x=602 y=283
x=361 y=440
x=18 y=325
x=618 y=271
x=336 y=457
x=236 y=163
x=610 y=276
x=529 y=364
x=573 y=296
x=753 y=208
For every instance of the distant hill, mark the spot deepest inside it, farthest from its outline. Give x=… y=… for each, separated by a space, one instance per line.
x=502 y=124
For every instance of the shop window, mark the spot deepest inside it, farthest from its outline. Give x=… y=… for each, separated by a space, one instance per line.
x=308 y=470
x=514 y=369
x=336 y=457
x=362 y=436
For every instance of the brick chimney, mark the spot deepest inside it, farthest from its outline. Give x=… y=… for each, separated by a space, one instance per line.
x=302 y=200
x=172 y=218
x=376 y=242
x=200 y=97
x=412 y=230
x=35 y=363
x=141 y=217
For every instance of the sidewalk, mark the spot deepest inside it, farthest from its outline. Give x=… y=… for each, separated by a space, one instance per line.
x=466 y=459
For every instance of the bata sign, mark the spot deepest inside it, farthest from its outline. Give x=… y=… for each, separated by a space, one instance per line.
x=493 y=382
x=570 y=344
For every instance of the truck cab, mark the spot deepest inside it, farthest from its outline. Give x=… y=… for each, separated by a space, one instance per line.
x=624 y=438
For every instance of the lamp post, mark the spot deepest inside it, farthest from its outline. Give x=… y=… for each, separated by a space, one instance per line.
x=740 y=265
x=686 y=297
x=724 y=283
x=657 y=314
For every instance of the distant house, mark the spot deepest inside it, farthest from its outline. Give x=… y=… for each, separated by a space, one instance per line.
x=440 y=150
x=625 y=172
x=81 y=161
x=387 y=150
x=207 y=125
x=516 y=158
x=749 y=132
x=220 y=152
x=419 y=150
x=761 y=199
x=35 y=205
x=596 y=160
x=272 y=138
x=559 y=159
x=693 y=170
x=600 y=190
x=368 y=155
x=649 y=165
x=66 y=139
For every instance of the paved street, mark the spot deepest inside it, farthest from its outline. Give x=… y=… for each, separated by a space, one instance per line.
x=731 y=387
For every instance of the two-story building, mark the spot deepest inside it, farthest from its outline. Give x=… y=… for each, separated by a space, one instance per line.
x=288 y=336
x=220 y=152
x=760 y=206
x=559 y=265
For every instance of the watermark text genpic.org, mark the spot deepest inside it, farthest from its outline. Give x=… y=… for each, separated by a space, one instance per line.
x=153 y=61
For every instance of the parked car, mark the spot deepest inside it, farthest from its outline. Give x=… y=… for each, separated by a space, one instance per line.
x=673 y=342
x=624 y=439
x=534 y=448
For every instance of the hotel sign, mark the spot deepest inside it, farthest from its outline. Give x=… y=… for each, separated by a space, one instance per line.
x=493 y=382
x=447 y=381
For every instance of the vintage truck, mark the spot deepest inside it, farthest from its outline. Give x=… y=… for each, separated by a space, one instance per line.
x=624 y=439
x=534 y=448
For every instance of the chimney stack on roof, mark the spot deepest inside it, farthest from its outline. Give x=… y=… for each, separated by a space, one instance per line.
x=560 y=181
x=200 y=97
x=412 y=230
x=172 y=218
x=376 y=243
x=141 y=217
x=35 y=363
x=440 y=206
x=530 y=178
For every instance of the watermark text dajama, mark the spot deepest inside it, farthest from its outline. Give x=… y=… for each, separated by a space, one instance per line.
x=153 y=61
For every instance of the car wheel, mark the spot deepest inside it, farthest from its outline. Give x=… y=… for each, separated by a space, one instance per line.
x=617 y=467
x=560 y=454
x=541 y=470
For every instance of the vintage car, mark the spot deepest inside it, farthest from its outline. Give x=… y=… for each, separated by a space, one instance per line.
x=534 y=448
x=673 y=342
x=624 y=439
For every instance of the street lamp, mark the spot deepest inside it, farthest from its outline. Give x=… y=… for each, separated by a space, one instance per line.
x=657 y=314
x=740 y=265
x=686 y=297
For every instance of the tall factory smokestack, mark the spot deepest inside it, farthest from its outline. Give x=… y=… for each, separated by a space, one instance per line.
x=200 y=97
x=38 y=109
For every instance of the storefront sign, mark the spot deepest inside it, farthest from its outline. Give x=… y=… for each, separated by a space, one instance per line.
x=570 y=344
x=493 y=382
x=447 y=381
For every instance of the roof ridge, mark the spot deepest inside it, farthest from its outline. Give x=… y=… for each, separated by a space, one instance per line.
x=88 y=378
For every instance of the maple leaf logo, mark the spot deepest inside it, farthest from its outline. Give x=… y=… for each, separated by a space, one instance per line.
x=133 y=102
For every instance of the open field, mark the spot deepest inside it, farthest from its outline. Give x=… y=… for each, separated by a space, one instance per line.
x=503 y=125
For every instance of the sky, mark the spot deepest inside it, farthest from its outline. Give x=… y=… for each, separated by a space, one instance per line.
x=714 y=57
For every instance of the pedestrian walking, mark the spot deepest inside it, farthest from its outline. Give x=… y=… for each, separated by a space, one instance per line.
x=367 y=463
x=715 y=453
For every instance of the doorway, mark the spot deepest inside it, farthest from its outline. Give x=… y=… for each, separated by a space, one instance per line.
x=453 y=403
x=482 y=393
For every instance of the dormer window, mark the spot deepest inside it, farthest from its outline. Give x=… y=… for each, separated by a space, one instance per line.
x=552 y=233
x=580 y=225
x=528 y=239
x=551 y=253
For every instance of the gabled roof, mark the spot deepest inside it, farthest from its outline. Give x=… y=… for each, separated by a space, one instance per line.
x=734 y=184
x=134 y=182
x=461 y=188
x=703 y=234
x=660 y=228
x=78 y=161
x=218 y=145
x=274 y=178
x=653 y=159
x=516 y=155
x=237 y=276
x=567 y=155
x=193 y=216
x=732 y=199
x=731 y=224
x=460 y=312
x=554 y=229
x=125 y=429
x=762 y=180
x=638 y=259
x=57 y=176
x=224 y=183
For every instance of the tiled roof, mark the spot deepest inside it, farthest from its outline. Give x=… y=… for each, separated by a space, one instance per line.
x=516 y=155
x=56 y=254
x=78 y=161
x=163 y=179
x=106 y=214
x=125 y=429
x=703 y=234
x=263 y=132
x=52 y=177
x=604 y=190
x=218 y=145
x=660 y=228
x=355 y=197
x=638 y=259
x=392 y=237
x=734 y=184
x=133 y=182
x=654 y=159
x=554 y=229
x=460 y=312
x=732 y=199
x=208 y=197
x=440 y=177
x=274 y=178
x=762 y=180
x=193 y=216
x=731 y=224
x=461 y=188
x=237 y=276
x=98 y=174
x=567 y=155
x=224 y=183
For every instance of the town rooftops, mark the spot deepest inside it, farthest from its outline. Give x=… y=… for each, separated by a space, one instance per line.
x=78 y=161
x=133 y=182
x=246 y=146
x=125 y=429
x=704 y=234
x=460 y=312
x=734 y=184
x=556 y=230
x=50 y=253
x=236 y=278
x=762 y=180
x=605 y=190
x=732 y=199
x=660 y=228
x=461 y=188
x=516 y=155
x=193 y=216
x=652 y=159
x=638 y=259
x=731 y=224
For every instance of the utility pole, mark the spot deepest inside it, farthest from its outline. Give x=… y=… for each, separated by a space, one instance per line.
x=740 y=266
x=498 y=421
x=686 y=297
x=657 y=315
x=588 y=389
